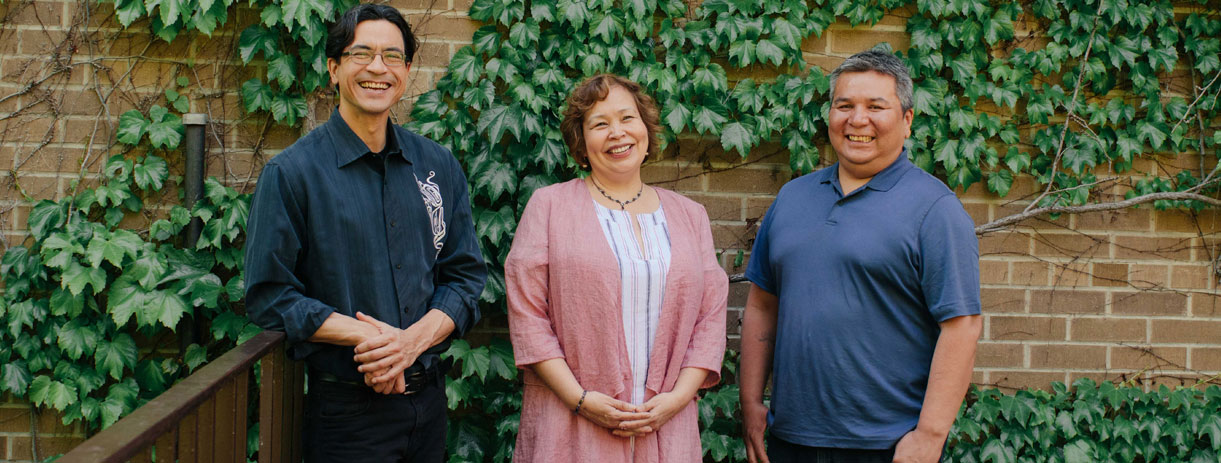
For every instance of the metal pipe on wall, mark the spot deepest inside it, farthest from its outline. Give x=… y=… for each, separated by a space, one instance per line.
x=195 y=147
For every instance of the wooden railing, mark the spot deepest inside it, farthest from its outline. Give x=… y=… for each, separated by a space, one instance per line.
x=203 y=417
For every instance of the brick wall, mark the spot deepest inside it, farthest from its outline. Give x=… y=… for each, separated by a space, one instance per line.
x=1114 y=296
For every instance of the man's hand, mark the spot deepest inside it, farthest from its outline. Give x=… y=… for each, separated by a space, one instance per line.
x=389 y=353
x=918 y=446
x=754 y=423
x=660 y=409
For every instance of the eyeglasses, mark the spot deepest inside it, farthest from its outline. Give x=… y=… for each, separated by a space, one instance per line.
x=389 y=58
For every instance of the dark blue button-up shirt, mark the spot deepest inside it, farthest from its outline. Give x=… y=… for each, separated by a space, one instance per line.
x=336 y=228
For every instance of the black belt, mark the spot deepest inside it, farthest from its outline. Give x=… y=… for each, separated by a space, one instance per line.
x=415 y=378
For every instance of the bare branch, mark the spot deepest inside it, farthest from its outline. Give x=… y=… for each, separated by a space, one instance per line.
x=1000 y=224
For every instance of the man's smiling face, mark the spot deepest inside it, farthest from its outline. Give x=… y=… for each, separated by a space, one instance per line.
x=867 y=124
x=370 y=89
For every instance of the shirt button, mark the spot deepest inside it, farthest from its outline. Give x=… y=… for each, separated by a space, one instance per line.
x=393 y=224
x=399 y=266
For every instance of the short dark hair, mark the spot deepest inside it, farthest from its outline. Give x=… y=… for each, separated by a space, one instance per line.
x=343 y=30
x=589 y=93
x=881 y=62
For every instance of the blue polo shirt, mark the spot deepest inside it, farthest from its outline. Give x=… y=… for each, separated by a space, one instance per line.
x=863 y=281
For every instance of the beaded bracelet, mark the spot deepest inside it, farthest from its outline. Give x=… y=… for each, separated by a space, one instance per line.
x=579 y=402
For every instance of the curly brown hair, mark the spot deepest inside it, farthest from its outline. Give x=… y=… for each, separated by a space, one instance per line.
x=587 y=94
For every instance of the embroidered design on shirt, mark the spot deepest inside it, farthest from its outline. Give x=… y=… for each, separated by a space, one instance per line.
x=436 y=209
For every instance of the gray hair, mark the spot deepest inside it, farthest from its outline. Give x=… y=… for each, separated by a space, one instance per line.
x=881 y=62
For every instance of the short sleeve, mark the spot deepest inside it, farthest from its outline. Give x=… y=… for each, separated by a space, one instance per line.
x=949 y=252
x=759 y=269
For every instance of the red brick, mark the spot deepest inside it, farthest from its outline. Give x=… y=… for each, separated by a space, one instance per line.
x=747 y=179
x=673 y=176
x=1108 y=329
x=1070 y=275
x=1149 y=275
x=438 y=27
x=1109 y=221
x=847 y=42
x=1192 y=276
x=756 y=207
x=1186 y=331
x=993 y=272
x=999 y=355
x=1068 y=356
x=1013 y=243
x=1149 y=248
x=1148 y=303
x=15 y=419
x=1205 y=305
x=1022 y=379
x=47 y=446
x=46 y=43
x=1024 y=328
x=733 y=236
x=979 y=212
x=1071 y=245
x=1148 y=358
x=46 y=14
x=738 y=293
x=1001 y=300
x=1029 y=273
x=36 y=187
x=1184 y=221
x=1110 y=274
x=719 y=207
x=1206 y=358
x=1067 y=301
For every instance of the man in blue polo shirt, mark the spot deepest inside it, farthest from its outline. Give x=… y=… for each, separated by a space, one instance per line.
x=864 y=306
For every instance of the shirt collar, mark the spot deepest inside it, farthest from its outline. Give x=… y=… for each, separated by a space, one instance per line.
x=349 y=147
x=882 y=181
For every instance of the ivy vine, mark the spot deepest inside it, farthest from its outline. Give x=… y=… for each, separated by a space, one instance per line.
x=90 y=306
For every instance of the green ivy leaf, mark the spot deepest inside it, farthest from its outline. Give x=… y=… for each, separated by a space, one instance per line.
x=113 y=249
x=77 y=277
x=115 y=355
x=132 y=127
x=194 y=356
x=15 y=378
x=677 y=116
x=150 y=174
x=77 y=338
x=706 y=120
x=499 y=118
x=256 y=95
x=48 y=392
x=204 y=291
x=124 y=299
x=45 y=217
x=497 y=226
x=167 y=133
x=768 y=51
x=999 y=182
x=129 y=11
x=737 y=136
x=255 y=39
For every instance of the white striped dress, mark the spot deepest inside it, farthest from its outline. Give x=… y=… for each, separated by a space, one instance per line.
x=643 y=276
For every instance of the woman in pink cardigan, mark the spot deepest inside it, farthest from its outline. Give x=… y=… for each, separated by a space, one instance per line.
x=616 y=298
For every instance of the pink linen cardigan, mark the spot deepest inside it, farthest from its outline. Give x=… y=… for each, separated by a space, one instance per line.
x=563 y=288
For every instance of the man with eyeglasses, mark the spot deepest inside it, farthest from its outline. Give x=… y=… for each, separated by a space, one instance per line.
x=361 y=248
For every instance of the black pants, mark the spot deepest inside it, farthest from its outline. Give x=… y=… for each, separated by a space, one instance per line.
x=348 y=423
x=779 y=451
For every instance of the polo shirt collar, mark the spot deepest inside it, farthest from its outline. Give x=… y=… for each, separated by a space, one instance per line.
x=349 y=147
x=884 y=180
